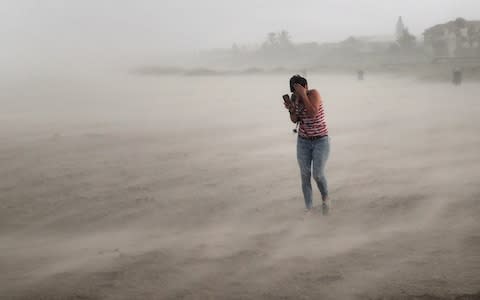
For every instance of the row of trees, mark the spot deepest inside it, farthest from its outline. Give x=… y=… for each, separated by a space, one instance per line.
x=278 y=48
x=280 y=42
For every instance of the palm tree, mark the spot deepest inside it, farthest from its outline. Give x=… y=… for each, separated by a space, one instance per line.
x=284 y=39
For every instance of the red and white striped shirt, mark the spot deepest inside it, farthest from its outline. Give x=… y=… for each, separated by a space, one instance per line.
x=312 y=126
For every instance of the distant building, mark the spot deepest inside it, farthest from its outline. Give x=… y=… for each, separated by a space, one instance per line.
x=455 y=39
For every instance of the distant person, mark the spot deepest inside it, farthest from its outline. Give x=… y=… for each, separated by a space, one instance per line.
x=457 y=76
x=360 y=74
x=313 y=145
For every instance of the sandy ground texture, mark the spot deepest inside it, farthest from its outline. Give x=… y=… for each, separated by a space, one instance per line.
x=130 y=187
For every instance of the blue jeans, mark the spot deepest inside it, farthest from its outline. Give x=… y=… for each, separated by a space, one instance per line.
x=313 y=153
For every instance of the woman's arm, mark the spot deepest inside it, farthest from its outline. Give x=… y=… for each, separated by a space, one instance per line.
x=292 y=108
x=311 y=100
x=293 y=114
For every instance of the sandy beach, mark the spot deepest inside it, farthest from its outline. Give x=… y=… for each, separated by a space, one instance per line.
x=117 y=186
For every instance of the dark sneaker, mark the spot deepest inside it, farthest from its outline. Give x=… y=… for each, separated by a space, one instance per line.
x=325 y=208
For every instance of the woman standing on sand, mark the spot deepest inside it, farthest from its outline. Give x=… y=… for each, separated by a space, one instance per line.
x=313 y=145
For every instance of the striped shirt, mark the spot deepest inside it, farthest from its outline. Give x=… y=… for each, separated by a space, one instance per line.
x=312 y=126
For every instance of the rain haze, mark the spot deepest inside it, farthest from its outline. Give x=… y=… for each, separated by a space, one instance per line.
x=146 y=151
x=102 y=31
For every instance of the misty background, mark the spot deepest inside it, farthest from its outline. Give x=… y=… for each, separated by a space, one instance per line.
x=43 y=36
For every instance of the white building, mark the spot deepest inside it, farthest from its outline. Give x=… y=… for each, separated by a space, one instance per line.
x=459 y=38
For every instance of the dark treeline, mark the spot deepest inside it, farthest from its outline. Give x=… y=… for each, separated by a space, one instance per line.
x=279 y=50
x=441 y=48
x=454 y=41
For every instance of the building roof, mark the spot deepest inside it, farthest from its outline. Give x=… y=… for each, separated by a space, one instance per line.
x=452 y=25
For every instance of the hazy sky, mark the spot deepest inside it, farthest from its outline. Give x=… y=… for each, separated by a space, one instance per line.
x=83 y=28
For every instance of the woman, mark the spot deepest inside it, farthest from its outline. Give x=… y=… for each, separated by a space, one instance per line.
x=313 y=145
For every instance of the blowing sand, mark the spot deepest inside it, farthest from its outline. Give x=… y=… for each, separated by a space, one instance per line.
x=130 y=187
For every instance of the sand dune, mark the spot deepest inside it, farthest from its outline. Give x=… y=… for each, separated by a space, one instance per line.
x=126 y=187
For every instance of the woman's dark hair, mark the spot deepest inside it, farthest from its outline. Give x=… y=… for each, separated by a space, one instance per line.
x=297 y=79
